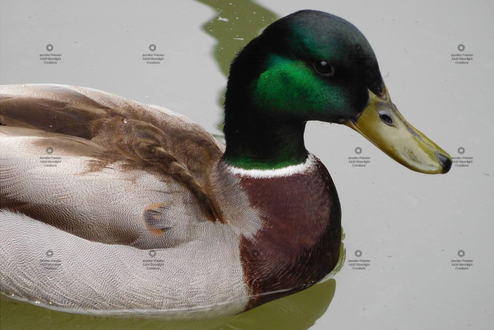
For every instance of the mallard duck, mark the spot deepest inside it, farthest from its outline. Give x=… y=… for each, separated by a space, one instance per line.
x=113 y=207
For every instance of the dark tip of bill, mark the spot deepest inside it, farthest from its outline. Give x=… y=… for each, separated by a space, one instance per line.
x=445 y=162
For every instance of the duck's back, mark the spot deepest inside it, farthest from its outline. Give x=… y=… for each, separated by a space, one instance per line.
x=91 y=143
x=112 y=122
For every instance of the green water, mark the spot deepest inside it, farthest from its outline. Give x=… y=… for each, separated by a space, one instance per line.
x=245 y=20
x=295 y=312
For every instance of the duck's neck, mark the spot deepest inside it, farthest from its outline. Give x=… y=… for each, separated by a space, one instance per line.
x=254 y=141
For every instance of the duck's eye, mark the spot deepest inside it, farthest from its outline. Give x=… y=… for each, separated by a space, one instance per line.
x=385 y=118
x=324 y=68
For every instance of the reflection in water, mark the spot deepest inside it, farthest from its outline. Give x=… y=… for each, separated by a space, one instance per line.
x=296 y=312
x=236 y=23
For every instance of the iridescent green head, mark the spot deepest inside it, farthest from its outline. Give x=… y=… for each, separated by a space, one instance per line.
x=311 y=66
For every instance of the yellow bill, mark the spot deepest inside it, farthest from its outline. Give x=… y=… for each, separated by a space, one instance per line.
x=382 y=124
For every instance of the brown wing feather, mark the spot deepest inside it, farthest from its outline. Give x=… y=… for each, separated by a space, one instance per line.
x=149 y=137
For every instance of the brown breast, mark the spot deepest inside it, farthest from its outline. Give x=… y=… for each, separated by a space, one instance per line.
x=299 y=241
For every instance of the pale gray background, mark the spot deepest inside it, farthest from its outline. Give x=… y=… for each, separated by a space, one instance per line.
x=410 y=225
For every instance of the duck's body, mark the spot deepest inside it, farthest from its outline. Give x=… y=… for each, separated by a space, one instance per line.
x=109 y=206
x=142 y=236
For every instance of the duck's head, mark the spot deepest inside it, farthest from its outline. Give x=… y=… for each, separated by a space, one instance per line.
x=312 y=65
